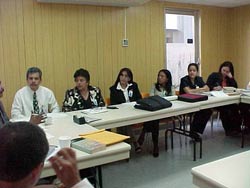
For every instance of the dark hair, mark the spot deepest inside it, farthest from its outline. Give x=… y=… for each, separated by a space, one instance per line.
x=83 y=73
x=129 y=73
x=228 y=64
x=195 y=65
x=23 y=146
x=33 y=70
x=168 y=85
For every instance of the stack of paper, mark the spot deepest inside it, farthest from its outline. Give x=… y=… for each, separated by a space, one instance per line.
x=89 y=146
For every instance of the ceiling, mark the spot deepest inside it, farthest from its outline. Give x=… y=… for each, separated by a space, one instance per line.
x=221 y=3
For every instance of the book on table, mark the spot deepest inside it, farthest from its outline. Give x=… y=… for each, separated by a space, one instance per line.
x=105 y=137
x=88 y=146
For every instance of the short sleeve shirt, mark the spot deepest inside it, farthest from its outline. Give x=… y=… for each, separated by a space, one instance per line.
x=186 y=82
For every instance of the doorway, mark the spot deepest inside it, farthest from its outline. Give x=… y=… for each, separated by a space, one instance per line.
x=182 y=42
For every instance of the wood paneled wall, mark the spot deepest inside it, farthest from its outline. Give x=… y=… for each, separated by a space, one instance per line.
x=62 y=38
x=239 y=42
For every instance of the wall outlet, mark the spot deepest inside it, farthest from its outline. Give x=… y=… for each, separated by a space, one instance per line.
x=125 y=42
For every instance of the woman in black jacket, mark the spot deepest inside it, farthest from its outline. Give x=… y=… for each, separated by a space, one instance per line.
x=229 y=114
x=125 y=90
x=192 y=83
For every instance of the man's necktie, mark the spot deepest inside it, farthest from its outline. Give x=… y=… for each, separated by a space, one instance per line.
x=35 y=104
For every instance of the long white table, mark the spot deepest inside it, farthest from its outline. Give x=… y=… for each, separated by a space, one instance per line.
x=245 y=99
x=126 y=114
x=229 y=172
x=214 y=102
x=63 y=125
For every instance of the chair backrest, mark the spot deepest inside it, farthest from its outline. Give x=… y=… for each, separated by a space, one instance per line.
x=144 y=95
x=107 y=101
x=177 y=92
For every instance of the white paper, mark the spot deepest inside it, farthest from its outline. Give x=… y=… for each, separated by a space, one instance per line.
x=94 y=110
x=218 y=94
x=171 y=98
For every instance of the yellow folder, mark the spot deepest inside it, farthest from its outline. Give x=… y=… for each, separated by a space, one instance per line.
x=105 y=137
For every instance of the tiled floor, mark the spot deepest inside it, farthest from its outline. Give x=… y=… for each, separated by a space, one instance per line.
x=172 y=169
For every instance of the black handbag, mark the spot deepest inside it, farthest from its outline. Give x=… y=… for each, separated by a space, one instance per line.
x=152 y=103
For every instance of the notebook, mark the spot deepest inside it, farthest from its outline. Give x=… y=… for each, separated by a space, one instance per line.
x=88 y=146
x=105 y=137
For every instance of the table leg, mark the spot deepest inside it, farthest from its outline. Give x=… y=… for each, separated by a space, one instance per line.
x=99 y=168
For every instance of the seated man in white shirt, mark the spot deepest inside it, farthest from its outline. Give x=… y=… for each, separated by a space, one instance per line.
x=33 y=98
x=35 y=119
x=23 y=149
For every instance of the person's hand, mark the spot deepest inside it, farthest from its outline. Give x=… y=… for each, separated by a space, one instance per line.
x=230 y=75
x=217 y=88
x=36 y=118
x=65 y=165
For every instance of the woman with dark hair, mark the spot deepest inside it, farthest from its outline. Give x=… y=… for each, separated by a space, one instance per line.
x=125 y=90
x=229 y=114
x=83 y=96
x=225 y=77
x=163 y=88
x=192 y=83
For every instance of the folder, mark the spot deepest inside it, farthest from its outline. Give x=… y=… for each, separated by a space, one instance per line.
x=105 y=137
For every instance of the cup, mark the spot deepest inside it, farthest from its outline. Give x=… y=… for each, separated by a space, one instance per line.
x=48 y=121
x=64 y=141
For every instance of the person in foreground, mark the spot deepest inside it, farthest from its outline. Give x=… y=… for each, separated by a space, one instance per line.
x=33 y=98
x=23 y=149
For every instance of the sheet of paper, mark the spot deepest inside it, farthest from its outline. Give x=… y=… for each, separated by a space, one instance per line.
x=218 y=94
x=95 y=110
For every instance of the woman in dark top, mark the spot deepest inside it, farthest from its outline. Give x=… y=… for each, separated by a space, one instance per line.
x=83 y=96
x=229 y=114
x=162 y=88
x=125 y=90
x=192 y=83
x=225 y=77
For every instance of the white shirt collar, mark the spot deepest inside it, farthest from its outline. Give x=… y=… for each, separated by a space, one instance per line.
x=119 y=87
x=32 y=90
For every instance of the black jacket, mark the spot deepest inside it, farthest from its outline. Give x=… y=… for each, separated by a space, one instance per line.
x=117 y=96
x=186 y=82
x=215 y=79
